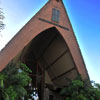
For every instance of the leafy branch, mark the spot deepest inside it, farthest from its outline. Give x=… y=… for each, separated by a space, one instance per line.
x=13 y=80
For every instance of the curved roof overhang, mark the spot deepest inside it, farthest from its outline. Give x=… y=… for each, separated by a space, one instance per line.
x=59 y=63
x=51 y=51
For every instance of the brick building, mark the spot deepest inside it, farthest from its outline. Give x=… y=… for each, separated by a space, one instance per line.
x=48 y=42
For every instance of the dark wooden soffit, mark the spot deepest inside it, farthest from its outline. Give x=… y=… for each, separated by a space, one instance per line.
x=57 y=59
x=48 y=45
x=61 y=75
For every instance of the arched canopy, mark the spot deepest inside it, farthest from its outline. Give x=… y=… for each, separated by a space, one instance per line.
x=51 y=52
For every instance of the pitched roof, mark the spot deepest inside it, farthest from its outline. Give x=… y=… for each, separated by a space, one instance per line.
x=40 y=22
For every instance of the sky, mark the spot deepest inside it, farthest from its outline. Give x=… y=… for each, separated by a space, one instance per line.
x=83 y=14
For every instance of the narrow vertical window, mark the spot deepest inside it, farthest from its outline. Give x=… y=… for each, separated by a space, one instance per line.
x=55 y=15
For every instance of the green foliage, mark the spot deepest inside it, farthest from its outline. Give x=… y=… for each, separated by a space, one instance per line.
x=24 y=67
x=13 y=81
x=2 y=78
x=11 y=92
x=79 y=90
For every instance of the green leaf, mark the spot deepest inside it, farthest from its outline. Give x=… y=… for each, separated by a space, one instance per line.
x=6 y=96
x=1 y=84
x=20 y=90
x=24 y=67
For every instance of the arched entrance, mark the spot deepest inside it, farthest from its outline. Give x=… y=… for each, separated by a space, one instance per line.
x=50 y=60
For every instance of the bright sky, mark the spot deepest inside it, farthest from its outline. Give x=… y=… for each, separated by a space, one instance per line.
x=85 y=19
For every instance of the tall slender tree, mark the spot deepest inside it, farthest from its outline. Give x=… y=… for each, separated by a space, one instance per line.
x=2 y=25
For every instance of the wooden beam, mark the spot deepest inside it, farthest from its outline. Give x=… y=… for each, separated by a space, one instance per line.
x=57 y=59
x=54 y=24
x=59 y=76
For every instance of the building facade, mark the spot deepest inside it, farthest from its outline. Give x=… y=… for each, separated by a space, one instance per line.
x=47 y=44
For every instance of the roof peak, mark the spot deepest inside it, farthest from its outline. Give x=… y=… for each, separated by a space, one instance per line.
x=55 y=0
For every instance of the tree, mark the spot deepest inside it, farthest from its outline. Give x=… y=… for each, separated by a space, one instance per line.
x=79 y=90
x=13 y=81
x=2 y=25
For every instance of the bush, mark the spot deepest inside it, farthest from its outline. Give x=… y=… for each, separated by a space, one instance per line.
x=13 y=80
x=79 y=90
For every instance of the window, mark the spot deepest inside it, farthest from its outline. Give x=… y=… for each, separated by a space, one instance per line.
x=55 y=15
